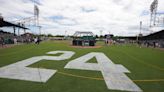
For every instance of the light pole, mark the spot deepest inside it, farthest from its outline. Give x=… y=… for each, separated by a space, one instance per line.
x=65 y=33
x=140 y=26
x=138 y=35
x=101 y=32
x=40 y=29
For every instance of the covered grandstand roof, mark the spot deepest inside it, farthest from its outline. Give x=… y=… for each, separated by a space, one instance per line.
x=8 y=24
x=152 y=36
x=156 y=35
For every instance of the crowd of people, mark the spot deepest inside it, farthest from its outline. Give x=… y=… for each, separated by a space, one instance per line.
x=16 y=40
x=152 y=43
x=140 y=43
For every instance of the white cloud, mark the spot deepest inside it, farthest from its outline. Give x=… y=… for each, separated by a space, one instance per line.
x=120 y=17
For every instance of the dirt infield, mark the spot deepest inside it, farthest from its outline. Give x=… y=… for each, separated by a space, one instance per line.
x=85 y=46
x=8 y=46
x=160 y=49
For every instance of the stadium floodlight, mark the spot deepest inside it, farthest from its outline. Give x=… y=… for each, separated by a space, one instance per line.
x=36 y=10
x=36 y=14
x=153 y=10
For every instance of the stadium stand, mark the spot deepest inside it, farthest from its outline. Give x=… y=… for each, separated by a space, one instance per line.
x=155 y=39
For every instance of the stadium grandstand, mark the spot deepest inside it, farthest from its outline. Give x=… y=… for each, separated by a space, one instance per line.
x=155 y=39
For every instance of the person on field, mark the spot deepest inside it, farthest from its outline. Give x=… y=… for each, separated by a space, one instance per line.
x=38 y=40
x=15 y=40
x=35 y=40
x=2 y=42
x=148 y=44
x=106 y=41
x=154 y=44
x=139 y=43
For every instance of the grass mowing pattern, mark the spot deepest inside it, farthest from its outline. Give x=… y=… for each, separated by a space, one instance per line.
x=144 y=64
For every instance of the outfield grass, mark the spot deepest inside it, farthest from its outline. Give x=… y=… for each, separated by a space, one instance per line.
x=146 y=66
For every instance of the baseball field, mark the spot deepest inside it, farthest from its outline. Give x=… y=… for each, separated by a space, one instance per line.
x=145 y=68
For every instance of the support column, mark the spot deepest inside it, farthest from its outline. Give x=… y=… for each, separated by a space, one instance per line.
x=14 y=30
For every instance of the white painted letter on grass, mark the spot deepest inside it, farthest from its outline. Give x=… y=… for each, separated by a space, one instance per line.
x=20 y=71
x=113 y=74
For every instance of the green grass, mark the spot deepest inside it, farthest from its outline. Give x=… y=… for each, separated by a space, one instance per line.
x=144 y=64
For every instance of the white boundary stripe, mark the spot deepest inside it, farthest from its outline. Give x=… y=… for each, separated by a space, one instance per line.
x=113 y=74
x=20 y=70
x=28 y=74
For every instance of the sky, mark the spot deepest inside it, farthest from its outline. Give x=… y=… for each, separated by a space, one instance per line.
x=65 y=17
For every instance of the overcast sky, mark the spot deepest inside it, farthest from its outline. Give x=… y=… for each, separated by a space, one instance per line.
x=118 y=17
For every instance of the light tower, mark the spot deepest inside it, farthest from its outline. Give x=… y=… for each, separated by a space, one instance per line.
x=153 y=10
x=36 y=17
